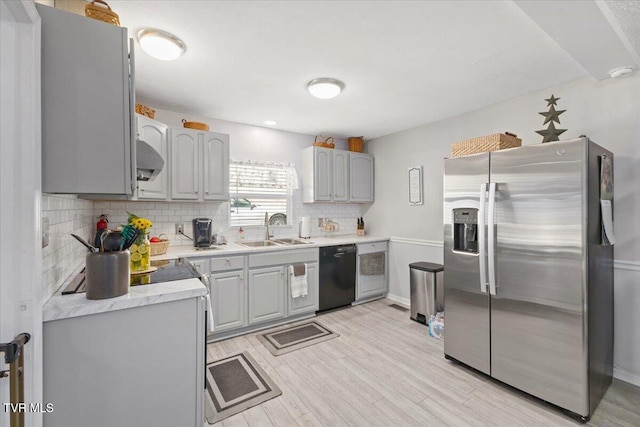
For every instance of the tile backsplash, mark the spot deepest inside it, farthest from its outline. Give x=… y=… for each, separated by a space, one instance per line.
x=66 y=214
x=164 y=215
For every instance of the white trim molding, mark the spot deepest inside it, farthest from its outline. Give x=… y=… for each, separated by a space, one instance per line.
x=420 y=242
x=626 y=265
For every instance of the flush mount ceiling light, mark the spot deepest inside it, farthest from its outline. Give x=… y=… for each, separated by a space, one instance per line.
x=325 y=87
x=160 y=44
x=620 y=72
x=270 y=122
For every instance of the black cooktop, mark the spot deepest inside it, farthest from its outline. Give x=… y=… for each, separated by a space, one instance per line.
x=167 y=271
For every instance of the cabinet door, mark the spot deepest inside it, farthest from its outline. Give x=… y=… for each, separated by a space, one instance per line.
x=266 y=294
x=216 y=166
x=228 y=297
x=370 y=283
x=155 y=134
x=185 y=171
x=86 y=118
x=340 y=176
x=322 y=176
x=308 y=303
x=361 y=177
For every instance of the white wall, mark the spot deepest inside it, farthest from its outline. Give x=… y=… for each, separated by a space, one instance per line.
x=608 y=112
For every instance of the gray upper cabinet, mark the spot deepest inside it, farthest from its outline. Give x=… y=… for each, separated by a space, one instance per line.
x=185 y=167
x=87 y=100
x=340 y=175
x=216 y=166
x=331 y=175
x=155 y=134
x=199 y=165
x=361 y=177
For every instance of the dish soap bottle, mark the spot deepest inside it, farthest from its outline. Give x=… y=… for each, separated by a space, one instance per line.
x=241 y=234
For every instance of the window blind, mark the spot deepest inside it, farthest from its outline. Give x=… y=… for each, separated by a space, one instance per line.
x=257 y=188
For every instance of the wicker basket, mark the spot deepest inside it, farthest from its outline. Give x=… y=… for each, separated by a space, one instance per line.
x=324 y=143
x=355 y=144
x=496 y=141
x=159 y=248
x=195 y=125
x=143 y=110
x=102 y=13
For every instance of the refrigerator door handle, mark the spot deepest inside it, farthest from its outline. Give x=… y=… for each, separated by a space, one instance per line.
x=482 y=258
x=491 y=243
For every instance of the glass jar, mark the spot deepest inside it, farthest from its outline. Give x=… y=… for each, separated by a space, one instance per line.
x=140 y=253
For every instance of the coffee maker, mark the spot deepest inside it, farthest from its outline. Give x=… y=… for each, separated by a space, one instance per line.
x=203 y=233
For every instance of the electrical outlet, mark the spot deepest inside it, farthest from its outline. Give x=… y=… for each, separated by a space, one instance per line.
x=45 y=232
x=179 y=228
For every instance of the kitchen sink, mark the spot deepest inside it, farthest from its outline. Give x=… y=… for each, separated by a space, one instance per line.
x=291 y=241
x=258 y=243
x=274 y=242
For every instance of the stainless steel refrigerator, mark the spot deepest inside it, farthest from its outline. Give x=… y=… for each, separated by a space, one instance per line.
x=528 y=281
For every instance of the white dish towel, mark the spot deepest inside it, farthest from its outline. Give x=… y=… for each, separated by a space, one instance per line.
x=299 y=285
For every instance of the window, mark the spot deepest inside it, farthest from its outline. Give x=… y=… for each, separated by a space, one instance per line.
x=256 y=189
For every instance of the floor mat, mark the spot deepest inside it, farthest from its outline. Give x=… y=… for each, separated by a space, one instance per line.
x=234 y=384
x=291 y=338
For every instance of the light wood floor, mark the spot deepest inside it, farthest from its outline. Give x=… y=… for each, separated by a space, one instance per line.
x=384 y=370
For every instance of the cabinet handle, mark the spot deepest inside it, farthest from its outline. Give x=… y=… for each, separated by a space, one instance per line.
x=196 y=192
x=228 y=261
x=206 y=192
x=242 y=277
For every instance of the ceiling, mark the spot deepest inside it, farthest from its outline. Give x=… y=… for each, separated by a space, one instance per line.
x=404 y=63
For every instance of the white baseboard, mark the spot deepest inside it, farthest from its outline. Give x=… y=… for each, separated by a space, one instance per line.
x=626 y=376
x=406 y=302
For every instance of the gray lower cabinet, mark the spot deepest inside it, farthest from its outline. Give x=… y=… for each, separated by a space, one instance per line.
x=308 y=303
x=372 y=269
x=229 y=300
x=266 y=294
x=141 y=366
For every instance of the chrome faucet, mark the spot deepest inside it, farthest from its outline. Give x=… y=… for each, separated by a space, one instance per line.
x=267 y=236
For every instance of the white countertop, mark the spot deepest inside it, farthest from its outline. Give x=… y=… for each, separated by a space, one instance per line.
x=232 y=248
x=75 y=305
x=66 y=306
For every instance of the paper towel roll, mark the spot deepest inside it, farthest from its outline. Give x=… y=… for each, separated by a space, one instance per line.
x=305 y=227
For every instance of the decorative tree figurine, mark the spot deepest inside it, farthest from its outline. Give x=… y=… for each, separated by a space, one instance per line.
x=551 y=133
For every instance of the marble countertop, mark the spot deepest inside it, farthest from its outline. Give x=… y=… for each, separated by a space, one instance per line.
x=233 y=248
x=75 y=305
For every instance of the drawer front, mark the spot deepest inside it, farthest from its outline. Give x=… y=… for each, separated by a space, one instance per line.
x=283 y=257
x=367 y=248
x=227 y=263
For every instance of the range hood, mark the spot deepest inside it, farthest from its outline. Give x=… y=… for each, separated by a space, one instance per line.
x=149 y=162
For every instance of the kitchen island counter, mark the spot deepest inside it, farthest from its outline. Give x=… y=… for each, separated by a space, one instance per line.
x=75 y=305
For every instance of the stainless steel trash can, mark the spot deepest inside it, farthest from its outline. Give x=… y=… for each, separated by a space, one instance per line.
x=427 y=290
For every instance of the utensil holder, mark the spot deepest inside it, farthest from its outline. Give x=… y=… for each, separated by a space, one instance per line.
x=107 y=274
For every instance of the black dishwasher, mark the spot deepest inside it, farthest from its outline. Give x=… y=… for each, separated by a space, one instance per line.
x=337 y=285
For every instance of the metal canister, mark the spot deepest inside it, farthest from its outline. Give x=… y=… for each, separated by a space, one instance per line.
x=107 y=274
